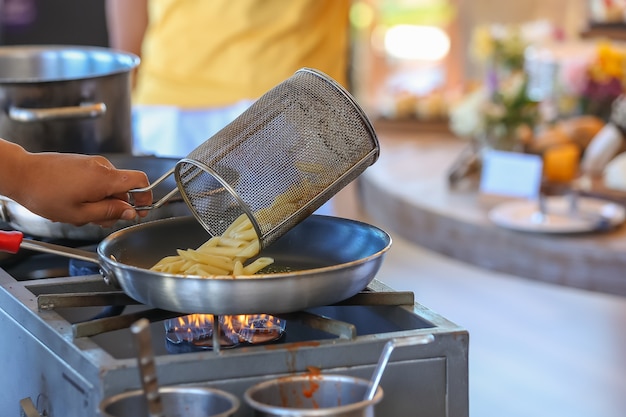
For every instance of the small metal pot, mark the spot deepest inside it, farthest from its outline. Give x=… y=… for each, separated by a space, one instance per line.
x=177 y=401
x=316 y=395
x=66 y=98
x=312 y=396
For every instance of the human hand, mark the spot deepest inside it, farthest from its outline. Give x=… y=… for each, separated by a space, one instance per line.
x=78 y=189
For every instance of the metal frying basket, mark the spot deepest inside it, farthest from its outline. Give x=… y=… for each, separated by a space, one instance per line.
x=280 y=160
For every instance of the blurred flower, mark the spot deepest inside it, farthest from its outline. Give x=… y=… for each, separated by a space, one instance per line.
x=465 y=116
x=609 y=63
x=501 y=120
x=605 y=80
x=482 y=43
x=505 y=45
x=573 y=76
x=498 y=45
x=500 y=114
x=508 y=112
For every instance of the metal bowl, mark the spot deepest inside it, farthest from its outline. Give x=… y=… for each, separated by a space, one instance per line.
x=312 y=396
x=177 y=401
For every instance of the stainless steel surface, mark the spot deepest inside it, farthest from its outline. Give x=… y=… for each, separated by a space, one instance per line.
x=328 y=258
x=280 y=160
x=69 y=376
x=177 y=401
x=20 y=218
x=312 y=396
x=147 y=369
x=123 y=321
x=66 y=98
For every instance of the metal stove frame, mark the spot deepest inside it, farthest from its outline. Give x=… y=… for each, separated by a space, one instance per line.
x=66 y=373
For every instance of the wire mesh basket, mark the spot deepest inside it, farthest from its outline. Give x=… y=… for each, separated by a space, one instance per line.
x=281 y=159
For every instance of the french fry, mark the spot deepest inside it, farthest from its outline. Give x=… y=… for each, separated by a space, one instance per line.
x=238 y=268
x=230 y=242
x=205 y=270
x=225 y=251
x=211 y=243
x=257 y=265
x=310 y=167
x=169 y=266
x=249 y=251
x=220 y=255
x=217 y=261
x=245 y=235
x=237 y=223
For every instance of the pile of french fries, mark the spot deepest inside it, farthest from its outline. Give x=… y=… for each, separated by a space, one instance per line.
x=220 y=255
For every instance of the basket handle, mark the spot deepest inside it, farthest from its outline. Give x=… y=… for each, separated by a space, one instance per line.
x=163 y=199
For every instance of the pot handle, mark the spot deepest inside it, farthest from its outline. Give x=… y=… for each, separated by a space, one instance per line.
x=83 y=111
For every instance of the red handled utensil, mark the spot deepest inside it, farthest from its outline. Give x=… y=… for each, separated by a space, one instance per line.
x=13 y=241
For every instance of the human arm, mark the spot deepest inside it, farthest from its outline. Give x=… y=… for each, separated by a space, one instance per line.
x=70 y=188
x=127 y=21
x=126 y=24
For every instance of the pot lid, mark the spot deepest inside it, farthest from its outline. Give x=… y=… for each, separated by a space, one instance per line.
x=48 y=63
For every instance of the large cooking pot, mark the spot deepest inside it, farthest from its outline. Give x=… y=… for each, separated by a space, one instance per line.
x=24 y=220
x=325 y=260
x=66 y=98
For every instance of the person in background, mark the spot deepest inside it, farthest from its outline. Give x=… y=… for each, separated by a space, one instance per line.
x=204 y=62
x=70 y=188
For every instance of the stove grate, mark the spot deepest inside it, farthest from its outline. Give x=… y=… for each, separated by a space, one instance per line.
x=122 y=320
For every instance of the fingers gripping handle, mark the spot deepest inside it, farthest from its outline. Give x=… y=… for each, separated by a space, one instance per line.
x=10 y=241
x=159 y=203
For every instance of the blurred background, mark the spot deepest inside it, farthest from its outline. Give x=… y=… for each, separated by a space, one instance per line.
x=436 y=75
x=408 y=56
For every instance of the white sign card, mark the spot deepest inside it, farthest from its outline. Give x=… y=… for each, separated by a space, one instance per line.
x=511 y=174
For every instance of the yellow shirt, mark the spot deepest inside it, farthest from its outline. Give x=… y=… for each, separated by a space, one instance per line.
x=211 y=53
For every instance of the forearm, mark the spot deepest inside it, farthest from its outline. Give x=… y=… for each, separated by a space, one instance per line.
x=70 y=188
x=126 y=24
x=12 y=167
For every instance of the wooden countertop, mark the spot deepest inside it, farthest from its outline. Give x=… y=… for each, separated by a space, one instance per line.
x=407 y=191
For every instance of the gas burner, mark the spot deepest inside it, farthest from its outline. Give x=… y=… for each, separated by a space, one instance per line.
x=175 y=345
x=260 y=328
x=195 y=332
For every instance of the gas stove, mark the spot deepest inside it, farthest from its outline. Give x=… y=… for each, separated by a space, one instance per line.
x=67 y=345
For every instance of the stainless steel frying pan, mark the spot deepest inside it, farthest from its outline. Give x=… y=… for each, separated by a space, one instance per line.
x=321 y=261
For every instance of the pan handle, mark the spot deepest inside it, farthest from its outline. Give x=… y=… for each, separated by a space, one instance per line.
x=13 y=241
